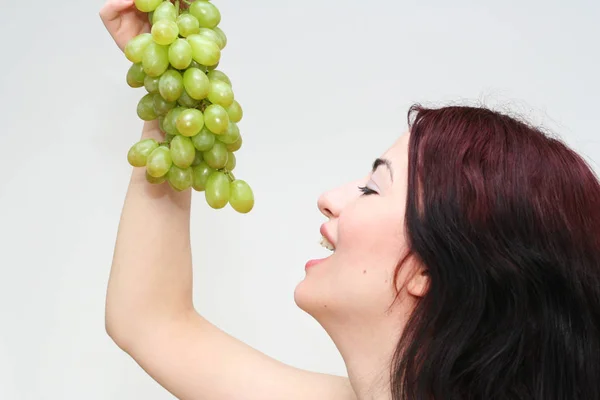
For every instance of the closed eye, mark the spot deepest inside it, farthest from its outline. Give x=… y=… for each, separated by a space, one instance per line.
x=366 y=191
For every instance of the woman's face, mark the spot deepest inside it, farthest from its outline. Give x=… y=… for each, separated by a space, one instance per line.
x=366 y=229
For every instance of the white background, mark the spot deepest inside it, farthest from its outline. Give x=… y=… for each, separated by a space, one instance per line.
x=325 y=87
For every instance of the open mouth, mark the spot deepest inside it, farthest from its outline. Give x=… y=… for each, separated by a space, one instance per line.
x=325 y=243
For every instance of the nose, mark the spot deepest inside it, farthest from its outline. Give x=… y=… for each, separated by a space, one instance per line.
x=326 y=206
x=332 y=202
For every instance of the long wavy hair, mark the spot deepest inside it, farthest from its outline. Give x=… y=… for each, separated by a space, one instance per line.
x=506 y=221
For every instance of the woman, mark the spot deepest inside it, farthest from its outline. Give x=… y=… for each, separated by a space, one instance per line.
x=465 y=266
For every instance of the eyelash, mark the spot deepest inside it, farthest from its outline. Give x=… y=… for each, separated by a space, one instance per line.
x=366 y=191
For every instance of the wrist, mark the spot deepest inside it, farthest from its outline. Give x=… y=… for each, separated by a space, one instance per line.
x=152 y=131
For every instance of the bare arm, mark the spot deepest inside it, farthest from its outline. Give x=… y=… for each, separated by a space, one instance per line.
x=151 y=275
x=150 y=313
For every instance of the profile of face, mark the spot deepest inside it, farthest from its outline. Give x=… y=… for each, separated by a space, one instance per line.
x=355 y=285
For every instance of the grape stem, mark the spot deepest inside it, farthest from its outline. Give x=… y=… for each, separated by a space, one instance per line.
x=177 y=7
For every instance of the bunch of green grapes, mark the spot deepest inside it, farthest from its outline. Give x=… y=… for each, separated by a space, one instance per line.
x=192 y=100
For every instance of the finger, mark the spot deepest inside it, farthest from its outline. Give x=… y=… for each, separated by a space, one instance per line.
x=112 y=9
x=144 y=17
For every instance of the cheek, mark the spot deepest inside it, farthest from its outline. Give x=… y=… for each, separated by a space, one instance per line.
x=369 y=236
x=370 y=245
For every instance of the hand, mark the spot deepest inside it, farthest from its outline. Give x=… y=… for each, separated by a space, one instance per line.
x=123 y=21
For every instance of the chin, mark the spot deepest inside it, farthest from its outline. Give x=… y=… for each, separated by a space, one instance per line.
x=303 y=296
x=313 y=298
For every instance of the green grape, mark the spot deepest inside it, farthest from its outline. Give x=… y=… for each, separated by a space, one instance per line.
x=162 y=106
x=235 y=112
x=190 y=122
x=180 y=54
x=155 y=181
x=207 y=14
x=231 y=134
x=180 y=179
x=134 y=49
x=147 y=5
x=212 y=35
x=170 y=85
x=151 y=83
x=223 y=36
x=220 y=93
x=204 y=50
x=217 y=190
x=183 y=151
x=231 y=162
x=165 y=11
x=196 y=83
x=241 y=197
x=216 y=118
x=186 y=101
x=138 y=153
x=217 y=156
x=159 y=162
x=235 y=146
x=188 y=25
x=216 y=75
x=156 y=59
x=136 y=75
x=204 y=141
x=201 y=67
x=170 y=123
x=197 y=158
x=145 y=108
x=202 y=172
x=161 y=121
x=165 y=32
x=177 y=64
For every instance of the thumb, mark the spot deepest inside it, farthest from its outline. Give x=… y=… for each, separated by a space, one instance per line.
x=112 y=9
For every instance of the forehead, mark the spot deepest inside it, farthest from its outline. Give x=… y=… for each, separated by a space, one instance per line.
x=397 y=154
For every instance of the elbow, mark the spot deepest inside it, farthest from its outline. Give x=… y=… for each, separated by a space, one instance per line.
x=129 y=326
x=116 y=334
x=119 y=329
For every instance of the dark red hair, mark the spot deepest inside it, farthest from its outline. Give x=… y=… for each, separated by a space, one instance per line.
x=506 y=220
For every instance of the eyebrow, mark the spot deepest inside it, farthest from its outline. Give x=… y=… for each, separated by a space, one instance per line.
x=382 y=161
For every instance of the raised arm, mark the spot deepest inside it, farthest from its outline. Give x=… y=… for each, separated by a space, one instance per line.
x=151 y=275
x=150 y=315
x=149 y=308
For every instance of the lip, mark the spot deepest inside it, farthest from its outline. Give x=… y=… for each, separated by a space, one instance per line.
x=312 y=263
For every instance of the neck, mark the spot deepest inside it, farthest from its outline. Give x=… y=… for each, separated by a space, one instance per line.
x=367 y=353
x=369 y=380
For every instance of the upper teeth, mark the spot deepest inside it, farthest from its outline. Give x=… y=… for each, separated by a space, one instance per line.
x=325 y=243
